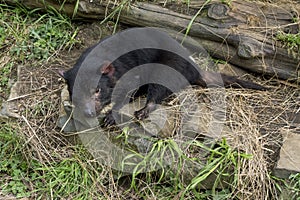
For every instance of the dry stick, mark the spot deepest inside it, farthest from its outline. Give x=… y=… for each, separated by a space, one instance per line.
x=30 y=94
x=21 y=96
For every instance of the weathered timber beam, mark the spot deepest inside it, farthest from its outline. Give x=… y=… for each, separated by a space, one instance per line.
x=243 y=33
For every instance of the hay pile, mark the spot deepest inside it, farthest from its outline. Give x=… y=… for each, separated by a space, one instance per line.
x=251 y=121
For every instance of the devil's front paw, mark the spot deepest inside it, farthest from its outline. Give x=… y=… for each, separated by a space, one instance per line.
x=109 y=120
x=142 y=114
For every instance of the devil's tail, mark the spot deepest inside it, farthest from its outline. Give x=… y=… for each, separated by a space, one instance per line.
x=213 y=79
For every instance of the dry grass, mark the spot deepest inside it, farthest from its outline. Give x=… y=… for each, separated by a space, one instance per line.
x=253 y=123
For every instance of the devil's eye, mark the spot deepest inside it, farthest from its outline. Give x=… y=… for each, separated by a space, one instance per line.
x=97 y=90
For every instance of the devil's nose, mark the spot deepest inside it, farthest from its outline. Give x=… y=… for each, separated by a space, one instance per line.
x=90 y=113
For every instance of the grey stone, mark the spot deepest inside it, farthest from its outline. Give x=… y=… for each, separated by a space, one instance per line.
x=289 y=161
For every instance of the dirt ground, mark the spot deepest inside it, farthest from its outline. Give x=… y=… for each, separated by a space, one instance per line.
x=35 y=97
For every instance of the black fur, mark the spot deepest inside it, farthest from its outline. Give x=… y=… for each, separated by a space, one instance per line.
x=113 y=71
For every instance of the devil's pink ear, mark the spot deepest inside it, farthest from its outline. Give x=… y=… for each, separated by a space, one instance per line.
x=61 y=73
x=107 y=68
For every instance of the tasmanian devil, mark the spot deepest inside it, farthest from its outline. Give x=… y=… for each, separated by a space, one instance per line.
x=145 y=60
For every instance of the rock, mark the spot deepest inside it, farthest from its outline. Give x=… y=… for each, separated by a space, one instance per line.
x=289 y=161
x=9 y=108
x=65 y=122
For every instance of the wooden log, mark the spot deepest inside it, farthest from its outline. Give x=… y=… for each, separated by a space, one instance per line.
x=243 y=34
